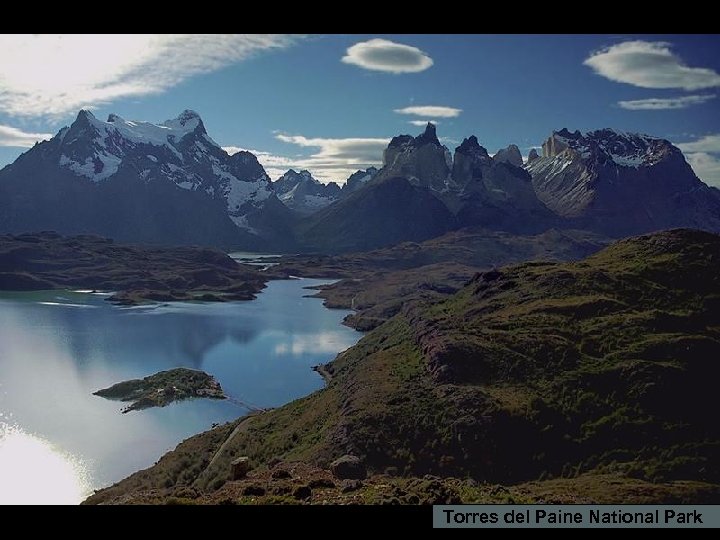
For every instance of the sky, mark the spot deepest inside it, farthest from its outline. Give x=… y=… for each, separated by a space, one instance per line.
x=331 y=103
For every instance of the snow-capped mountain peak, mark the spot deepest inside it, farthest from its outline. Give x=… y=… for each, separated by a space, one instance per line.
x=188 y=118
x=303 y=193
x=94 y=149
x=608 y=145
x=178 y=151
x=621 y=183
x=167 y=133
x=292 y=178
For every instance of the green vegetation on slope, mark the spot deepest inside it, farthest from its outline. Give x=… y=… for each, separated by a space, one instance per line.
x=378 y=283
x=547 y=374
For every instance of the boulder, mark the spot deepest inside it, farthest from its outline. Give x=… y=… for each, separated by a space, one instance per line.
x=346 y=486
x=281 y=474
x=321 y=483
x=240 y=467
x=302 y=492
x=348 y=467
x=254 y=490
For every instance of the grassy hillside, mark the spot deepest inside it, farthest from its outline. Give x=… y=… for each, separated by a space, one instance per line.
x=585 y=381
x=378 y=283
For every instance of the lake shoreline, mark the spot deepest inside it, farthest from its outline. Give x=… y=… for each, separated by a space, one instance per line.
x=135 y=274
x=261 y=352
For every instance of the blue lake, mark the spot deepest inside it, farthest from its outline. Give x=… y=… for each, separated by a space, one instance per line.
x=58 y=441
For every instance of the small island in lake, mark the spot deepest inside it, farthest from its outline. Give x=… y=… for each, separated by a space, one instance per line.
x=164 y=388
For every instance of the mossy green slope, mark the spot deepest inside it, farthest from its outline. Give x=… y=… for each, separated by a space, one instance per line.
x=535 y=372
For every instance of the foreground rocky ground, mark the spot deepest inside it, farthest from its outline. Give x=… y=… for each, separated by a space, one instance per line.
x=302 y=483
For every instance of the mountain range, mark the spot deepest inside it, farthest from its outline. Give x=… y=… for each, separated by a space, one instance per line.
x=165 y=183
x=170 y=183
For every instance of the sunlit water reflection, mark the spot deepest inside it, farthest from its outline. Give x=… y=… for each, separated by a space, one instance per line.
x=34 y=471
x=56 y=348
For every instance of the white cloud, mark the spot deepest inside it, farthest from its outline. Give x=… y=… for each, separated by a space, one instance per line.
x=708 y=143
x=10 y=136
x=387 y=56
x=706 y=166
x=649 y=64
x=656 y=104
x=435 y=111
x=51 y=75
x=334 y=161
x=703 y=155
x=422 y=123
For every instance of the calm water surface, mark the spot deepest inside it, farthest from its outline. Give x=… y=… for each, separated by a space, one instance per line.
x=58 y=441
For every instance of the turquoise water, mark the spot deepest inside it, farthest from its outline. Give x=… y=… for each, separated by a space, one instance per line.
x=56 y=348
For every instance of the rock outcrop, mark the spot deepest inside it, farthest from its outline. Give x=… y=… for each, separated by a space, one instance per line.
x=357 y=180
x=348 y=467
x=621 y=183
x=422 y=160
x=510 y=155
x=494 y=193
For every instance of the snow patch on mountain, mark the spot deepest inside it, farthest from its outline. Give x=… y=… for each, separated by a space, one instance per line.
x=301 y=192
x=238 y=192
x=317 y=201
x=96 y=168
x=178 y=150
x=621 y=148
x=367 y=176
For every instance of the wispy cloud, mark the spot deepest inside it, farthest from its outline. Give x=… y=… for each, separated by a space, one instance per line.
x=708 y=143
x=703 y=155
x=50 y=75
x=387 y=56
x=422 y=123
x=11 y=136
x=334 y=161
x=657 y=104
x=433 y=111
x=706 y=166
x=649 y=64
